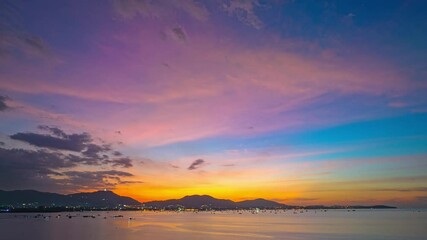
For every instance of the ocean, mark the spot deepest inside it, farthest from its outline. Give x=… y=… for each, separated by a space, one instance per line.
x=306 y=225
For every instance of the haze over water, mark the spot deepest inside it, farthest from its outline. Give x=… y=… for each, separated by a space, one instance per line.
x=311 y=225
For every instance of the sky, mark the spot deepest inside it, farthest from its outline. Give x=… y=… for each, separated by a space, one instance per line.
x=302 y=102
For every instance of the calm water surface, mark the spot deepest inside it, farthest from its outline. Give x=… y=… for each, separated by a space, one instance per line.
x=334 y=224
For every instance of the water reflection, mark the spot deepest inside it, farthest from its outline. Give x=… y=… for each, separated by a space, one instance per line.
x=362 y=224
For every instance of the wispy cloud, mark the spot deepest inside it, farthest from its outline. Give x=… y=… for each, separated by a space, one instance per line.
x=228 y=165
x=26 y=43
x=95 y=179
x=196 y=164
x=411 y=189
x=15 y=38
x=3 y=105
x=244 y=10
x=250 y=90
x=176 y=33
x=160 y=8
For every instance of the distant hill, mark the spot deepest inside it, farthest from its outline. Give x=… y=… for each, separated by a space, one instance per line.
x=205 y=201
x=208 y=202
x=260 y=203
x=19 y=197
x=36 y=198
x=101 y=198
x=107 y=199
x=194 y=201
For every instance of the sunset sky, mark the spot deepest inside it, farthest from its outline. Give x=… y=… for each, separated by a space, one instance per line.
x=301 y=102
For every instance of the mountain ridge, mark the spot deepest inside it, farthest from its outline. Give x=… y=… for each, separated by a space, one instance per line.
x=35 y=198
x=109 y=199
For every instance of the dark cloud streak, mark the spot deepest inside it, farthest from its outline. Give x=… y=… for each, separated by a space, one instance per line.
x=52 y=171
x=179 y=34
x=121 y=162
x=20 y=168
x=73 y=142
x=91 y=153
x=3 y=105
x=52 y=164
x=196 y=164
x=414 y=189
x=97 y=179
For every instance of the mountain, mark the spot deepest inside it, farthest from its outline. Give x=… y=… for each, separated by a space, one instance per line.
x=259 y=203
x=208 y=202
x=194 y=201
x=20 y=197
x=101 y=198
x=205 y=201
x=32 y=198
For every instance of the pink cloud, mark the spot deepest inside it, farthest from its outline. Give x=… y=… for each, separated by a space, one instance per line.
x=207 y=86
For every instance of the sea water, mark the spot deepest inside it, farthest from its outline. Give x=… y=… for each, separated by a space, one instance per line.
x=302 y=225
